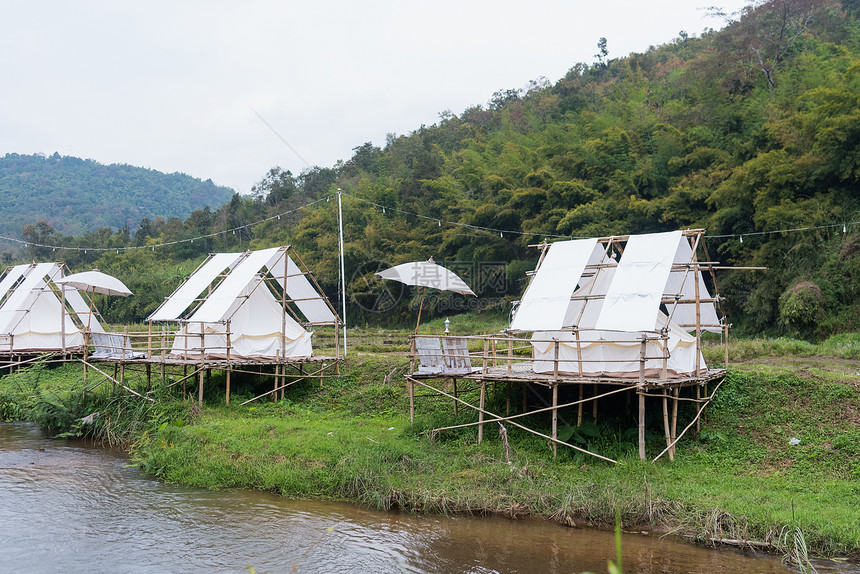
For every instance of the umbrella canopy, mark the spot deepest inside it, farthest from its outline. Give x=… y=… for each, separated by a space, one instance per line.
x=427 y=274
x=95 y=282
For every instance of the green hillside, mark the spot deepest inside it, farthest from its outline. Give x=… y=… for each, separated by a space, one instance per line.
x=76 y=196
x=751 y=131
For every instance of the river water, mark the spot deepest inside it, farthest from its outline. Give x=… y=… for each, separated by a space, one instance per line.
x=69 y=507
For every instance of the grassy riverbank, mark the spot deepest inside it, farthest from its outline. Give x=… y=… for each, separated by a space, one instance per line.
x=350 y=439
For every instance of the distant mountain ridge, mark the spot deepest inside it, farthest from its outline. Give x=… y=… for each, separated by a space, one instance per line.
x=76 y=196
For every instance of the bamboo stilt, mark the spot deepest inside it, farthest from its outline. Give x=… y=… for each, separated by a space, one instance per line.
x=455 y=395
x=676 y=393
x=579 y=406
x=227 y=391
x=411 y=388
x=481 y=412
x=200 y=387
x=642 y=399
x=554 y=420
x=666 y=428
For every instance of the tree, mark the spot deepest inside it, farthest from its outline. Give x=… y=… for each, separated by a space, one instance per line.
x=602 y=54
x=277 y=186
x=767 y=32
x=40 y=238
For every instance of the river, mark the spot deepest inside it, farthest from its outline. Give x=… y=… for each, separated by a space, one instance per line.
x=69 y=507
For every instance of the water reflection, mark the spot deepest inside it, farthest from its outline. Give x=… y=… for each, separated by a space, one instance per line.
x=66 y=507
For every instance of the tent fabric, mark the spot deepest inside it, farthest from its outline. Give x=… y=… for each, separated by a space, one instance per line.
x=606 y=354
x=216 y=306
x=296 y=284
x=633 y=299
x=12 y=275
x=36 y=323
x=684 y=314
x=548 y=295
x=17 y=304
x=190 y=290
x=255 y=331
x=427 y=274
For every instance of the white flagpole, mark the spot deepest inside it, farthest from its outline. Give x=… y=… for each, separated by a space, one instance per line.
x=342 y=271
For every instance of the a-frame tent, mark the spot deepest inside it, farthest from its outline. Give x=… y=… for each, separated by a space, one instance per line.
x=256 y=305
x=37 y=315
x=590 y=312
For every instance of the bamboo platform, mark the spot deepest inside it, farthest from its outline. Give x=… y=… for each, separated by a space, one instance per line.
x=450 y=363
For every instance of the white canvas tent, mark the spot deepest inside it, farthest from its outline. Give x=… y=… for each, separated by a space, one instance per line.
x=254 y=305
x=599 y=310
x=36 y=315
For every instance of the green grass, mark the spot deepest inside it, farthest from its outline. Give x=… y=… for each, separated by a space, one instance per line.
x=350 y=439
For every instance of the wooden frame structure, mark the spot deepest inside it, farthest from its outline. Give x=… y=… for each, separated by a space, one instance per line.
x=508 y=358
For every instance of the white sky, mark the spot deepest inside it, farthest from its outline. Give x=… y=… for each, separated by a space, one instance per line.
x=172 y=85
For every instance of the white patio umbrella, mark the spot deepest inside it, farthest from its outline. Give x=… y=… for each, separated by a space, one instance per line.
x=94 y=282
x=427 y=274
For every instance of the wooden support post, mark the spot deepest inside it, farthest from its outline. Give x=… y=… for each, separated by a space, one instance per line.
x=594 y=405
x=227 y=392
x=698 y=398
x=510 y=356
x=481 y=412
x=676 y=394
x=486 y=356
x=200 y=385
x=579 y=406
x=508 y=401
x=554 y=420
x=454 y=381
x=666 y=429
x=410 y=386
x=148 y=376
x=641 y=391
x=555 y=361
x=642 y=423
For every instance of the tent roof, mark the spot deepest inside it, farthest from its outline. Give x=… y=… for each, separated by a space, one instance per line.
x=24 y=285
x=627 y=296
x=241 y=270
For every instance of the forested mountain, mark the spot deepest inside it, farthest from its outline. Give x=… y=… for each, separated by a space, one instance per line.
x=748 y=131
x=76 y=196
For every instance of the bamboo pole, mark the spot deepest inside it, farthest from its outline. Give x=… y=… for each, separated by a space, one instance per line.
x=579 y=406
x=666 y=429
x=642 y=400
x=411 y=388
x=698 y=414
x=200 y=385
x=513 y=423
x=420 y=307
x=132 y=391
x=227 y=392
x=454 y=384
x=554 y=420
x=594 y=405
x=481 y=412
x=676 y=392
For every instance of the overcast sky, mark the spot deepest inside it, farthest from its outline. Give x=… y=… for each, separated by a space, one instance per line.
x=174 y=85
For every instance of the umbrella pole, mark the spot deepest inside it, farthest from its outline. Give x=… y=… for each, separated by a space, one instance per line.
x=420 y=307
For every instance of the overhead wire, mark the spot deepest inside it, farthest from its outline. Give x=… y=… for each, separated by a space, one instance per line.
x=385 y=208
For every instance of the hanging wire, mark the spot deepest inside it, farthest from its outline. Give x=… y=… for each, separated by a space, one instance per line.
x=384 y=208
